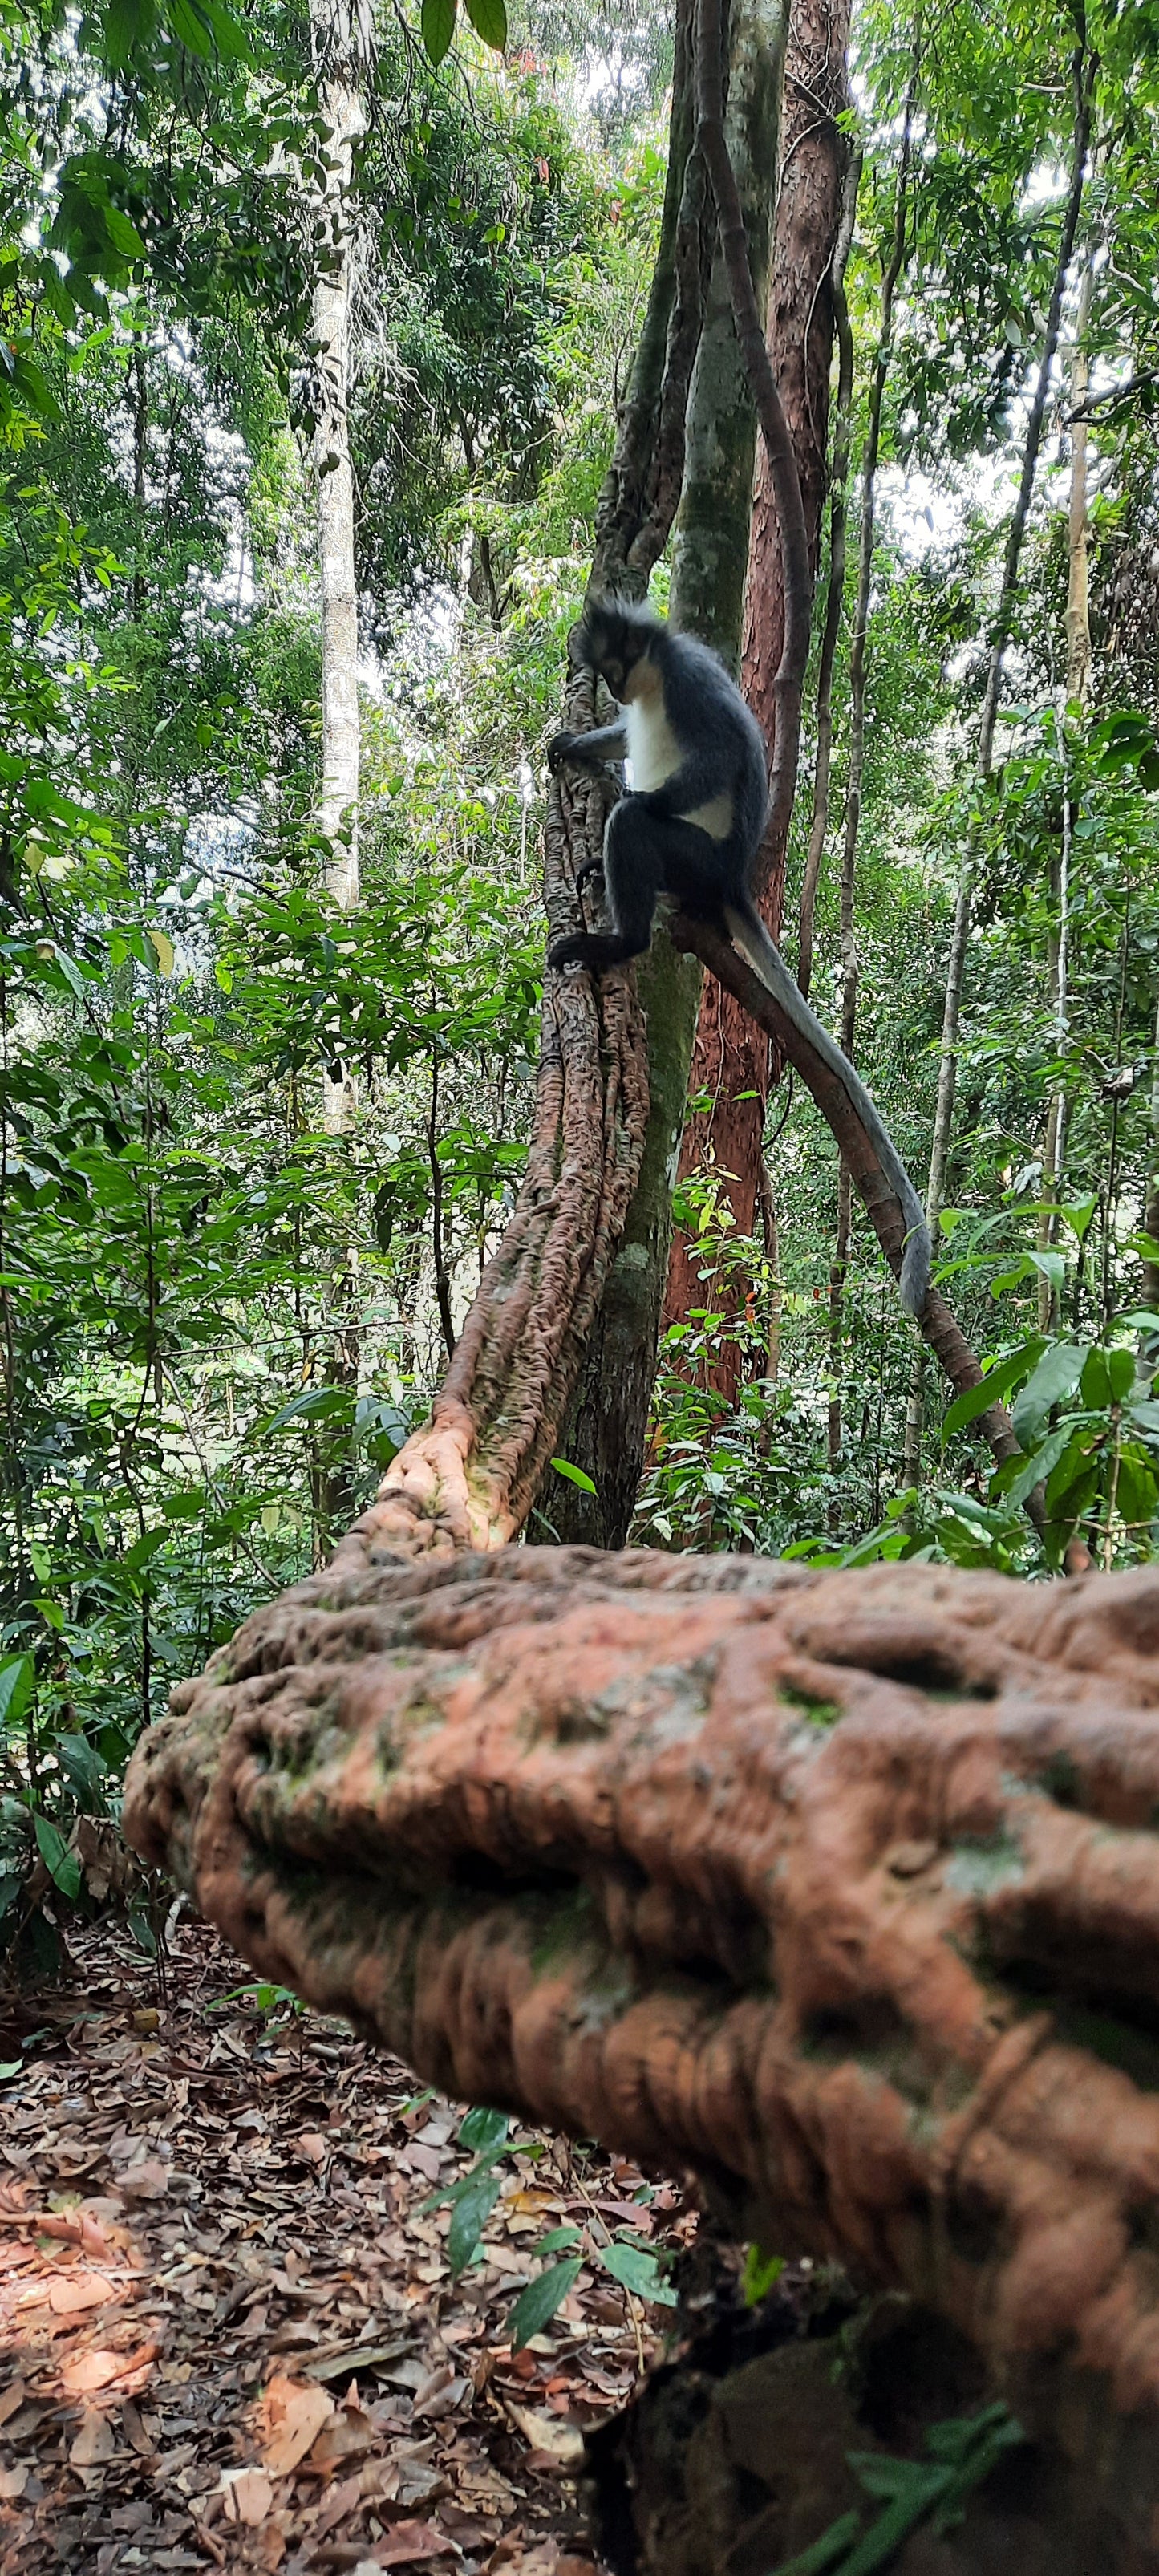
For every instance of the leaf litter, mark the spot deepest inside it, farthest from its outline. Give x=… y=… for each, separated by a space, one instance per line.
x=233 y=2322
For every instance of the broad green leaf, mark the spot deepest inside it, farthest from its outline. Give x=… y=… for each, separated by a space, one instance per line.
x=468 y=2219
x=637 y=2271
x=62 y=1865
x=537 y=2304
x=489 y=20
x=966 y=1408
x=190 y=25
x=438 y=27
x=1056 y=1376
x=574 y=1475
x=483 y=2130
x=1035 y=1470
x=557 y=2239
x=17 y=1684
x=164 y=947
x=313 y=1401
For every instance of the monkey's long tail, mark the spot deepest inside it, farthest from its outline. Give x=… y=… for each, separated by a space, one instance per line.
x=748 y=933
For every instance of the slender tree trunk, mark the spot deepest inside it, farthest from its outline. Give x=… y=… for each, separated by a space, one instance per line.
x=335 y=58
x=335 y=53
x=1075 y=691
x=731 y=1059
x=606 y=1430
x=850 y=964
x=835 y=587
x=1151 y=1201
x=1084 y=68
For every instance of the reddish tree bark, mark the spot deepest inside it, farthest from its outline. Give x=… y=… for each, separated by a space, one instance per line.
x=732 y=1058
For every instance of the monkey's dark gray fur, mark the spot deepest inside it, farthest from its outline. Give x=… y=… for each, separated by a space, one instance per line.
x=691 y=828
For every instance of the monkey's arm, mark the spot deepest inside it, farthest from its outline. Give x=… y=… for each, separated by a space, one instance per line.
x=587 y=750
x=748 y=933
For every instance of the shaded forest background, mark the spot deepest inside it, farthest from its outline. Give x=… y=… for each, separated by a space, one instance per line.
x=268 y=1055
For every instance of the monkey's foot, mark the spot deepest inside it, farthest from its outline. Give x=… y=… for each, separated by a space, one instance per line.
x=588 y=948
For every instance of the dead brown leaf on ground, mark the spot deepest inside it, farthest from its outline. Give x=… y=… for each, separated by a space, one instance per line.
x=228 y=2314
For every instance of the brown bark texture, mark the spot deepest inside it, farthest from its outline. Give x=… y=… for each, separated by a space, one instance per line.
x=469 y=1476
x=732 y=1057
x=838 y=1889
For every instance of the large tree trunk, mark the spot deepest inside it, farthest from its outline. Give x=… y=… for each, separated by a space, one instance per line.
x=605 y=1433
x=731 y=1058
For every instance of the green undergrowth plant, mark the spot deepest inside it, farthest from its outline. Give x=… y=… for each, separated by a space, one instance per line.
x=622 y=2253
x=913 y=2493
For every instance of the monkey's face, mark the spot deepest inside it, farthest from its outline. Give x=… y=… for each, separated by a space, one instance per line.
x=613 y=641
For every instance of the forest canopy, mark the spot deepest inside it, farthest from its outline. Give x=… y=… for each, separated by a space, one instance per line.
x=317 y=331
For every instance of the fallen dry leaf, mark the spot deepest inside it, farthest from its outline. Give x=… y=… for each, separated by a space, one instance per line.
x=407 y=2542
x=70 y=2293
x=12 y=2399
x=248 y=2496
x=88 y=2371
x=13 y=2483
x=147 y=2181
x=94 y=2441
x=312 y=2145
x=548 y=2435
x=293 y=2412
x=346 y=2435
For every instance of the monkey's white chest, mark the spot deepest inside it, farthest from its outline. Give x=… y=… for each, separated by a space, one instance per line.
x=655 y=754
x=652 y=746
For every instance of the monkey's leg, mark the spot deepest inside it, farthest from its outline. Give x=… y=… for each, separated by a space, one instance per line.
x=633 y=877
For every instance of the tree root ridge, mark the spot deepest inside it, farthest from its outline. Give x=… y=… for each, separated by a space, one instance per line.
x=840 y=1889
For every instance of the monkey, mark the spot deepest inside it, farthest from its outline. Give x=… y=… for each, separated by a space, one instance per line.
x=690 y=827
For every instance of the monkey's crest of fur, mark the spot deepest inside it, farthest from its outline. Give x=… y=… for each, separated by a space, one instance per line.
x=614 y=632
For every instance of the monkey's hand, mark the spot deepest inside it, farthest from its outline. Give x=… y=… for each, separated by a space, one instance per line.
x=590 y=868
x=590 y=751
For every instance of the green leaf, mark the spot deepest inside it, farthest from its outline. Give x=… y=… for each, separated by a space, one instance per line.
x=965 y=1408
x=468 y=2219
x=190 y=25
x=17 y=1684
x=164 y=947
x=1035 y=1470
x=574 y=1475
x=483 y=2130
x=637 y=2271
x=489 y=20
x=438 y=27
x=125 y=23
x=1056 y=1376
x=313 y=1401
x=825 y=2552
x=761 y=2273
x=537 y=2304
x=556 y=2239
x=62 y=1865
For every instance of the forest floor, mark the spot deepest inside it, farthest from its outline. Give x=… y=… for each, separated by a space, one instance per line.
x=230 y=2332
